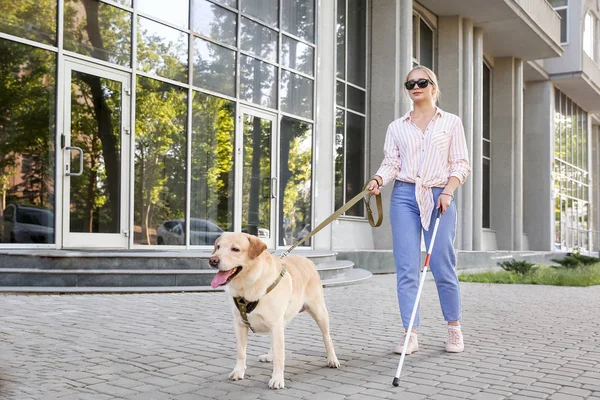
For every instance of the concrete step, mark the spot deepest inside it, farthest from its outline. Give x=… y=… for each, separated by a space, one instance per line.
x=355 y=276
x=127 y=259
x=35 y=277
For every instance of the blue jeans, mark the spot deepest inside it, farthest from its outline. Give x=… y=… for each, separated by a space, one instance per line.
x=406 y=232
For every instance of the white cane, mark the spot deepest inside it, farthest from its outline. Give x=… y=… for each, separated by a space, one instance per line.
x=416 y=306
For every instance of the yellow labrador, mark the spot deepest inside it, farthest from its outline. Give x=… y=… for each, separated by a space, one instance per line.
x=248 y=271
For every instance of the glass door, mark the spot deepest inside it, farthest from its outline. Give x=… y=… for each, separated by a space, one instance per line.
x=94 y=143
x=257 y=176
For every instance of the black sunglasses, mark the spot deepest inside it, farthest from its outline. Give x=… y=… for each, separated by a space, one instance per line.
x=422 y=83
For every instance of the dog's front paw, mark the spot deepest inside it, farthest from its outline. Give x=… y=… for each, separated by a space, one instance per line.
x=266 y=358
x=333 y=362
x=237 y=374
x=276 y=382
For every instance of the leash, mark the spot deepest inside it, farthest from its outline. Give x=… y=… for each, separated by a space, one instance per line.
x=343 y=209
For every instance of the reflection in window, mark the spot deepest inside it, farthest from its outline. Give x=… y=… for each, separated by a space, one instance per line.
x=487 y=141
x=340 y=133
x=296 y=94
x=571 y=175
x=214 y=22
x=295 y=181
x=258 y=40
x=95 y=195
x=162 y=50
x=212 y=186
x=173 y=11
x=265 y=10
x=27 y=160
x=214 y=67
x=351 y=97
x=357 y=42
x=160 y=160
x=355 y=157
x=298 y=18
x=29 y=19
x=99 y=30
x=258 y=82
x=297 y=55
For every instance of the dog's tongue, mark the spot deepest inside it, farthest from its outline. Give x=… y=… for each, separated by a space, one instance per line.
x=220 y=278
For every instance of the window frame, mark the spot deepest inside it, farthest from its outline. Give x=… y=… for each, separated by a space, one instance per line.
x=488 y=65
x=566 y=21
x=345 y=108
x=430 y=20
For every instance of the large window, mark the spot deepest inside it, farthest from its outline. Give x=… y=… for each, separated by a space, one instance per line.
x=561 y=7
x=423 y=42
x=27 y=127
x=487 y=146
x=571 y=175
x=351 y=94
x=591 y=31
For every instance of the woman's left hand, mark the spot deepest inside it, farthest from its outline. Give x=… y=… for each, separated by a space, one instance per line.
x=444 y=201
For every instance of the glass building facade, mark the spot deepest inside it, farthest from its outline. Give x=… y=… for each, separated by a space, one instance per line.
x=140 y=122
x=571 y=175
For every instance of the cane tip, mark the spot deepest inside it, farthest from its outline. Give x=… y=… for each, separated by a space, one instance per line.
x=396 y=382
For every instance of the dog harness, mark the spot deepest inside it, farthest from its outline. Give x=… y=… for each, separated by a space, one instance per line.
x=245 y=307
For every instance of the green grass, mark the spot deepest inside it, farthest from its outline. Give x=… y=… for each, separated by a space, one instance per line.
x=582 y=276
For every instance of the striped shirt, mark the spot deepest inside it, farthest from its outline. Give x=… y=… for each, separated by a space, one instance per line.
x=427 y=159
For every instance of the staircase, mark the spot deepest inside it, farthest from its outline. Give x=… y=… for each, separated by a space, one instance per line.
x=81 y=271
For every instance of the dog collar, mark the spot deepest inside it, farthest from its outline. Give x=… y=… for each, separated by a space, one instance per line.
x=245 y=307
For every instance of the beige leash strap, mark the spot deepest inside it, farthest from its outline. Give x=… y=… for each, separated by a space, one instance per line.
x=343 y=209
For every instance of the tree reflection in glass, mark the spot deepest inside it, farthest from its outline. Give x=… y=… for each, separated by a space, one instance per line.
x=295 y=181
x=160 y=158
x=212 y=185
x=99 y=30
x=27 y=152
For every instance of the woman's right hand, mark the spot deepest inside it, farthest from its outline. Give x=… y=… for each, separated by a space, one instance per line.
x=373 y=187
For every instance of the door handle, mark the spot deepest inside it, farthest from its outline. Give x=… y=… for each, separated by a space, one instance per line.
x=69 y=148
x=273 y=187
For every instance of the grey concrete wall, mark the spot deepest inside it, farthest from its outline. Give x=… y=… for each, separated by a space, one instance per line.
x=538 y=146
x=503 y=104
x=391 y=60
x=324 y=190
x=450 y=73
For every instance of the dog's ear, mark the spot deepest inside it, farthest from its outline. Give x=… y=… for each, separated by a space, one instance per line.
x=257 y=246
x=216 y=243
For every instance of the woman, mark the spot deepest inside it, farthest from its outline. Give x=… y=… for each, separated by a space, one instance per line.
x=426 y=158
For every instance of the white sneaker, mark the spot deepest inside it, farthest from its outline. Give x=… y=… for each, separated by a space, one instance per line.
x=455 y=342
x=413 y=344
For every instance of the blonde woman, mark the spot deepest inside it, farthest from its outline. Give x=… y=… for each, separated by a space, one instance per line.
x=426 y=159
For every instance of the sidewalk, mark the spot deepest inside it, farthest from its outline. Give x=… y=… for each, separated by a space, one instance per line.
x=521 y=342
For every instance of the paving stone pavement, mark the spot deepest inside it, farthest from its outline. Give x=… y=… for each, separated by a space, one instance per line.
x=522 y=342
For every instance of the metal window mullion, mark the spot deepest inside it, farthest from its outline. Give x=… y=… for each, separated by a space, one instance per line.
x=345 y=100
x=213 y=41
x=162 y=79
x=132 y=138
x=298 y=38
x=96 y=61
x=29 y=42
x=214 y=94
x=188 y=172
x=59 y=206
x=161 y=21
x=117 y=5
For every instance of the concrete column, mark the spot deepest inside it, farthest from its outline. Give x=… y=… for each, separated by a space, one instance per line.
x=518 y=157
x=391 y=55
x=476 y=161
x=503 y=126
x=450 y=74
x=466 y=197
x=538 y=148
x=324 y=190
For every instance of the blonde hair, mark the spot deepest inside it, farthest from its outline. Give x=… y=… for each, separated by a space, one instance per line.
x=437 y=94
